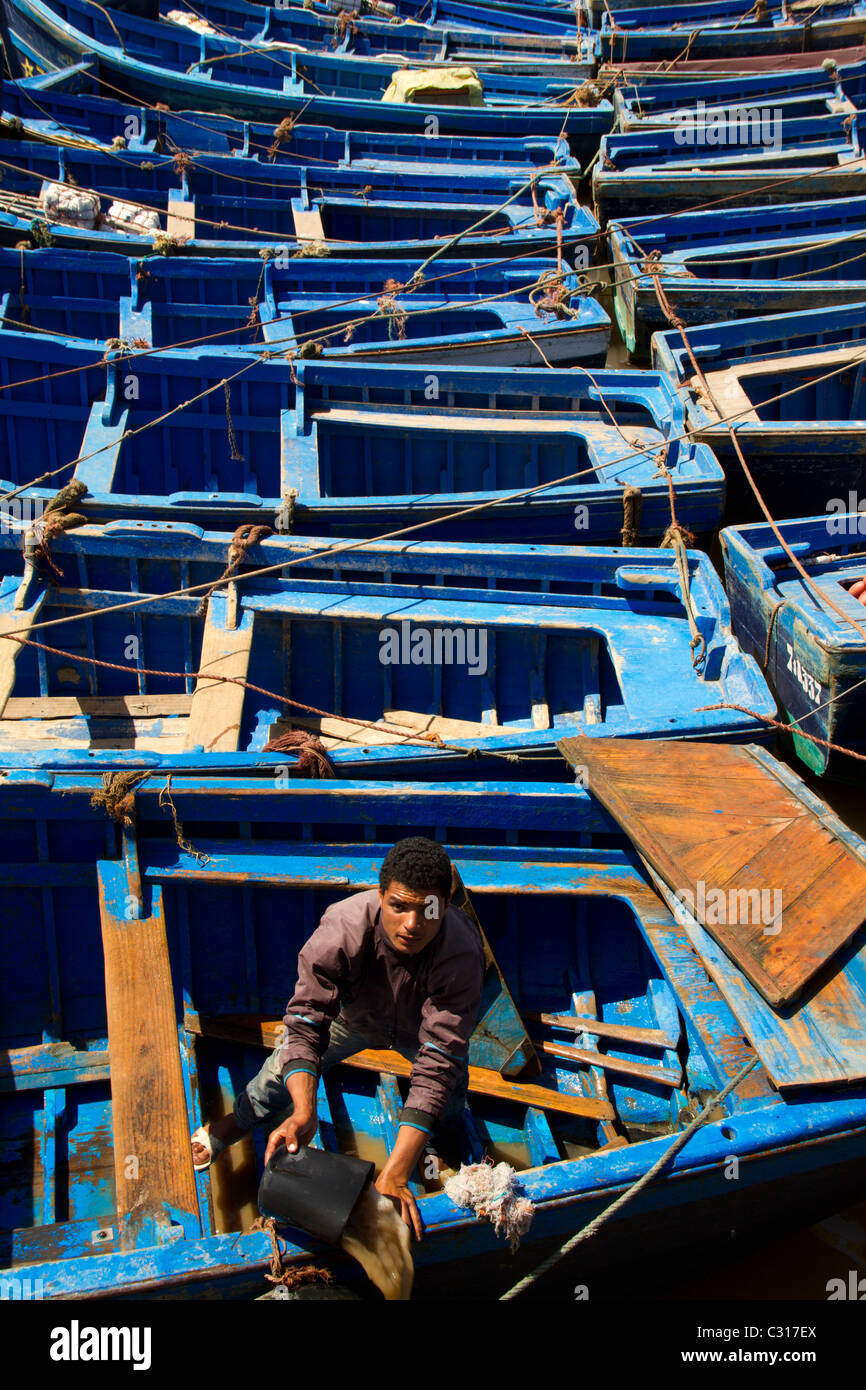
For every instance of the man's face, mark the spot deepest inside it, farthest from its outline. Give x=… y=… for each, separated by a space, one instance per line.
x=410 y=920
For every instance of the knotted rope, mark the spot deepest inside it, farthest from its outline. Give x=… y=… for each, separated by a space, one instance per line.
x=57 y=518
x=632 y=508
x=290 y=1278
x=313 y=760
x=244 y=538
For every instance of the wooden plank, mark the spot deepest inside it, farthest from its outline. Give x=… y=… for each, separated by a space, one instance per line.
x=732 y=841
x=395 y=728
x=651 y=1037
x=97 y=706
x=266 y=1032
x=217 y=707
x=499 y=1041
x=18 y=621
x=152 y=1155
x=308 y=224
x=661 y=1076
x=443 y=726
x=180 y=219
x=820 y=1042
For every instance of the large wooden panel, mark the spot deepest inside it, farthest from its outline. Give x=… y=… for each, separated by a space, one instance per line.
x=757 y=864
x=152 y=1154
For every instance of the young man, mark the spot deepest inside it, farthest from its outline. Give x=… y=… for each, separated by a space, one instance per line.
x=398 y=967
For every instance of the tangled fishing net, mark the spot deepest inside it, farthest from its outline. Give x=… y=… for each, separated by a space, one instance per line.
x=493 y=1192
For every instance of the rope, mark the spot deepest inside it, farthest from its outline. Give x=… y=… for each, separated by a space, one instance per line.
x=290 y=1278
x=165 y=800
x=632 y=509
x=244 y=538
x=313 y=760
x=631 y=1192
x=117 y=795
x=793 y=727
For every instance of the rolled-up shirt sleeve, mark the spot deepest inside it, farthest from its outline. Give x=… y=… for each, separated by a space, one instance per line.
x=322 y=968
x=447 y=1019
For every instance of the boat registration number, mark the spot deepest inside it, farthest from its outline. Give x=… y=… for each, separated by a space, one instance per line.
x=809 y=684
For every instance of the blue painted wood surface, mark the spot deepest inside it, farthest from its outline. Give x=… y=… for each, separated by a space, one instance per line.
x=754 y=155
x=721 y=30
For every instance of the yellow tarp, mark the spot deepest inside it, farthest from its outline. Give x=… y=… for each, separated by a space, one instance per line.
x=435 y=87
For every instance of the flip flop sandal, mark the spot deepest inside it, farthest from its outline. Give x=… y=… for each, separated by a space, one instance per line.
x=210 y=1142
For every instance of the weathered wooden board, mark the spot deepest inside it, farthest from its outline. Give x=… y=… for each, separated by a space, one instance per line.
x=396 y=726
x=217 y=705
x=97 y=706
x=599 y=1028
x=266 y=1032
x=180 y=219
x=733 y=841
x=816 y=1042
x=644 y=1071
x=18 y=621
x=152 y=1155
x=308 y=224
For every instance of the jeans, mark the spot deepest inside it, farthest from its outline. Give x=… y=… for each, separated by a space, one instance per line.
x=266 y=1096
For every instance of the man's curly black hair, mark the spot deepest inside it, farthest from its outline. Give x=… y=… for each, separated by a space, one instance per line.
x=421 y=864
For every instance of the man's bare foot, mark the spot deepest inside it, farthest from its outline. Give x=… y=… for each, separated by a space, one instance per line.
x=226 y=1130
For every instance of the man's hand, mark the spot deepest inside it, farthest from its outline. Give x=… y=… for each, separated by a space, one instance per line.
x=296 y=1130
x=393 y=1181
x=397 y=1188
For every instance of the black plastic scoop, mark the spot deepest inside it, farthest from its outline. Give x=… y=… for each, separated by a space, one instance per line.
x=314 y=1190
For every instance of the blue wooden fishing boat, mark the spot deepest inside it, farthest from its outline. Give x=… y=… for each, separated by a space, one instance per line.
x=482 y=314
x=225 y=913
x=423 y=656
x=721 y=29
x=365 y=36
x=663 y=106
x=163 y=62
x=352 y=450
x=814 y=660
x=655 y=97
x=792 y=386
x=741 y=263
x=747 y=154
x=64 y=108
x=175 y=48
x=217 y=203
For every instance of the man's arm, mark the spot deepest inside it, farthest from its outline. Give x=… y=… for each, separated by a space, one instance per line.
x=393 y=1181
x=322 y=968
x=300 y=1127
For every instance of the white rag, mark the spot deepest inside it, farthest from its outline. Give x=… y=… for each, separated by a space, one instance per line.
x=492 y=1191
